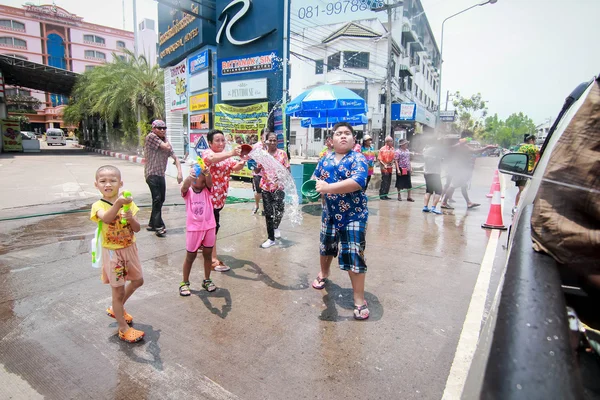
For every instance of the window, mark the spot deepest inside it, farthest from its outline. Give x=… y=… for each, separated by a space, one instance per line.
x=421 y=94
x=356 y=59
x=393 y=68
x=317 y=135
x=318 y=67
x=360 y=92
x=11 y=41
x=10 y=24
x=17 y=92
x=333 y=61
x=94 y=39
x=95 y=54
x=20 y=57
x=120 y=44
x=423 y=68
x=122 y=58
x=416 y=89
x=89 y=67
x=409 y=83
x=293 y=138
x=427 y=74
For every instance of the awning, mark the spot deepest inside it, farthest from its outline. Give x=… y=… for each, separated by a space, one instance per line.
x=404 y=71
x=407 y=34
x=32 y=75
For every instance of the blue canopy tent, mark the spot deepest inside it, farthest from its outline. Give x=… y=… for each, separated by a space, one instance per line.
x=326 y=101
x=359 y=119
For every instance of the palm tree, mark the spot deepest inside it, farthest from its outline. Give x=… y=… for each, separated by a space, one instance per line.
x=118 y=92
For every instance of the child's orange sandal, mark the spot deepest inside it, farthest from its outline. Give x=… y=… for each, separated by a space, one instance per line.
x=131 y=335
x=128 y=317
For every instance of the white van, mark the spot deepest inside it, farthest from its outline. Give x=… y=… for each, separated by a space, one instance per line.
x=55 y=136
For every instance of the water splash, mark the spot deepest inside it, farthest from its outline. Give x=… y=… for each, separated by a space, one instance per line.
x=292 y=200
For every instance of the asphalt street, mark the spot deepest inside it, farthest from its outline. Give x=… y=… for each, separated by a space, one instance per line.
x=265 y=333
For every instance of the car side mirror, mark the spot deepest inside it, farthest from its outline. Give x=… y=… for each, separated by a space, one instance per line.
x=514 y=163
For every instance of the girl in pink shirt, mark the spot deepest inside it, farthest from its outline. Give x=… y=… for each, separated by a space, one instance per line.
x=200 y=227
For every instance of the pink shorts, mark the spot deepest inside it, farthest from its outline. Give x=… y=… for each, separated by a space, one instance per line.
x=196 y=239
x=121 y=265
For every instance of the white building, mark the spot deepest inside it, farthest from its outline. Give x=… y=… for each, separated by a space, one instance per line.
x=148 y=40
x=354 y=54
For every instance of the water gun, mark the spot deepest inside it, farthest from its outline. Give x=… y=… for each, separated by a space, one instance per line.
x=200 y=166
x=126 y=194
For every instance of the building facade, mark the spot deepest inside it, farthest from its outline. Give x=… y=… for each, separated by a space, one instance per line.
x=52 y=36
x=353 y=52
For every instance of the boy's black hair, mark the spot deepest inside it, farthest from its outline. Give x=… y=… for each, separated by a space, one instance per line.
x=108 y=168
x=340 y=124
x=212 y=134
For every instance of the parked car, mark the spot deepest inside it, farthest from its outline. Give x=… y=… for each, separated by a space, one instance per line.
x=55 y=136
x=26 y=135
x=530 y=346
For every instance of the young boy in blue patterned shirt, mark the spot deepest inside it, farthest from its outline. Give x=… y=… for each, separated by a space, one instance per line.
x=342 y=177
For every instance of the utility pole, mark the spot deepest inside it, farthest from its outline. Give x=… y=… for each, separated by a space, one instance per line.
x=135 y=53
x=388 y=81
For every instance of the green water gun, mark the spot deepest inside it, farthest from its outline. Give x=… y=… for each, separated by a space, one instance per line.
x=126 y=194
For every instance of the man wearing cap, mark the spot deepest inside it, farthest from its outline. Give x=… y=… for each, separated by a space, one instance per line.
x=157 y=151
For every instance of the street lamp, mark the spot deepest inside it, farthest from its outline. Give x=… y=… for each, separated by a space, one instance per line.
x=442 y=51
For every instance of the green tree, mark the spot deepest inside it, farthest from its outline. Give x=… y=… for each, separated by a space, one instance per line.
x=509 y=132
x=116 y=92
x=471 y=111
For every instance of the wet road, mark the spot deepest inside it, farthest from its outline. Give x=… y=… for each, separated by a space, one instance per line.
x=264 y=334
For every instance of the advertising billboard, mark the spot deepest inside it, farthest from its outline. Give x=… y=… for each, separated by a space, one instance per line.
x=179 y=33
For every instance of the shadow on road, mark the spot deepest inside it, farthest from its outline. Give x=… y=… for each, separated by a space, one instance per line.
x=220 y=293
x=343 y=297
x=150 y=340
x=261 y=276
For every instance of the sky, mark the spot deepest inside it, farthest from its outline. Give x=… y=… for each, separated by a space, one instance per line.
x=521 y=55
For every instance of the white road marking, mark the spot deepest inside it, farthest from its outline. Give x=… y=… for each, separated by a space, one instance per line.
x=469 y=336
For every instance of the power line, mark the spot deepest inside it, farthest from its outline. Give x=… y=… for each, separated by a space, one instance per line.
x=335 y=47
x=305 y=27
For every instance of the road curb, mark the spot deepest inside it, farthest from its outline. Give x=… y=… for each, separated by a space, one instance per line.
x=120 y=156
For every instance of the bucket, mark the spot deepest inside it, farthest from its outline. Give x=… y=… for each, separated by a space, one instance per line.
x=246 y=149
x=309 y=190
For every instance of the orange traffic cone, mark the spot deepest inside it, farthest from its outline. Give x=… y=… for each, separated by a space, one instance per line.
x=494 y=219
x=493 y=187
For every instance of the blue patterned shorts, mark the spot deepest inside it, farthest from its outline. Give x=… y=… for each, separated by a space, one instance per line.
x=353 y=242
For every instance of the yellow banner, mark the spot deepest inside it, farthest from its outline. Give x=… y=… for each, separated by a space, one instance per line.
x=11 y=135
x=241 y=120
x=199 y=102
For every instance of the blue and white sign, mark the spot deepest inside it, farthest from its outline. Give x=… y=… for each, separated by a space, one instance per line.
x=202 y=144
x=198 y=62
x=259 y=62
x=404 y=111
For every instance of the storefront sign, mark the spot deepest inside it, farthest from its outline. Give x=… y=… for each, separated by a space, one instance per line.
x=266 y=61
x=176 y=87
x=404 y=111
x=447 y=116
x=425 y=117
x=181 y=33
x=198 y=62
x=199 y=122
x=11 y=135
x=199 y=102
x=199 y=82
x=249 y=89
